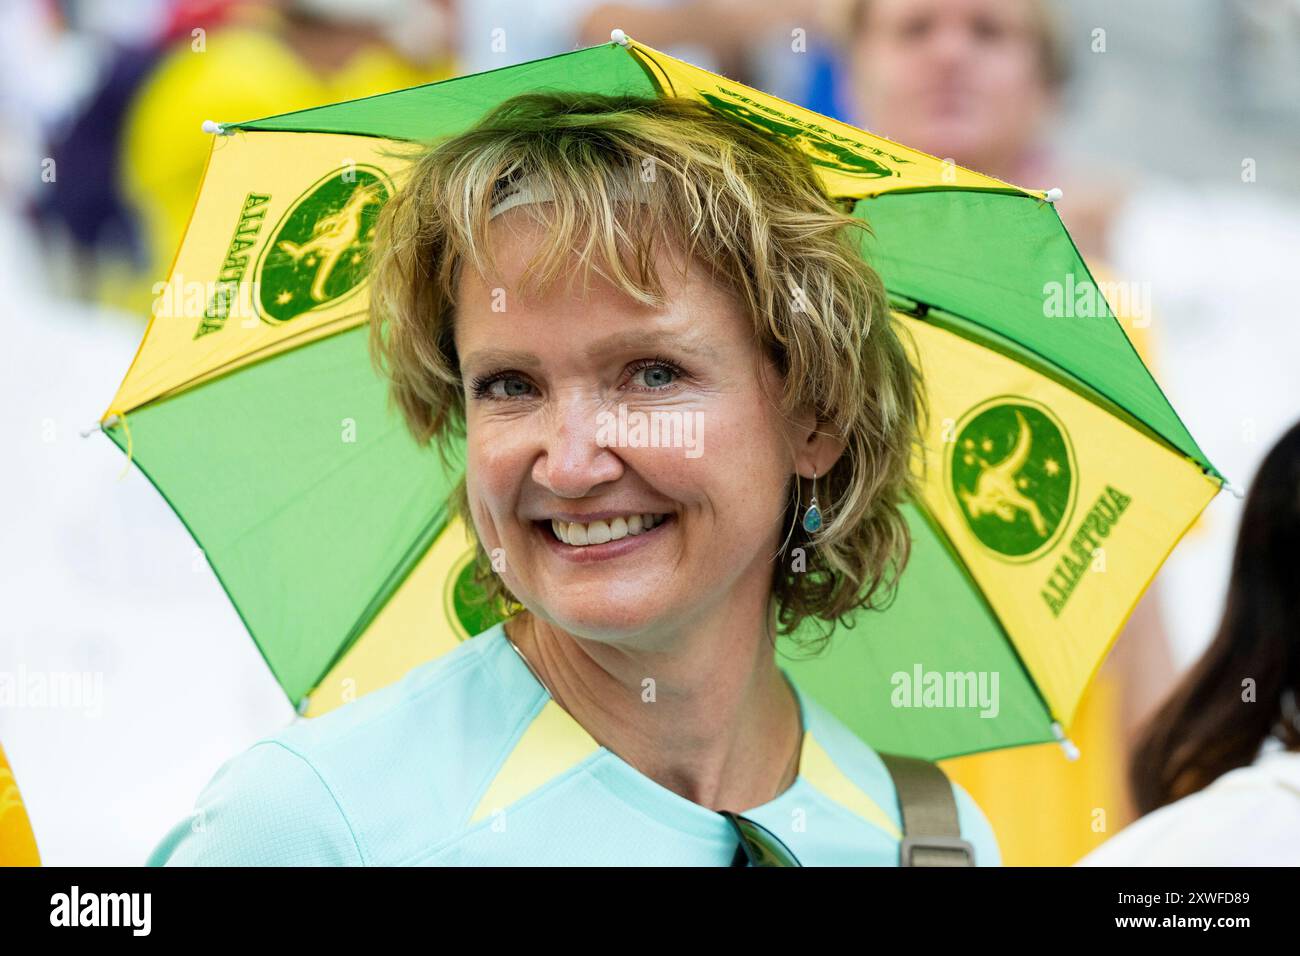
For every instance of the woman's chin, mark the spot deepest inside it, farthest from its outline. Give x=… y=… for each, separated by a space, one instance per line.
x=607 y=620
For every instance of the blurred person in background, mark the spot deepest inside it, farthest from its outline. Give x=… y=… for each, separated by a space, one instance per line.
x=85 y=221
x=709 y=33
x=979 y=82
x=1217 y=771
x=262 y=59
x=781 y=46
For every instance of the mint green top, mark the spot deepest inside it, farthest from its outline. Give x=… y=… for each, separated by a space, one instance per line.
x=468 y=761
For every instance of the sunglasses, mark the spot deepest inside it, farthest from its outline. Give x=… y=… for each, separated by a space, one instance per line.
x=759 y=846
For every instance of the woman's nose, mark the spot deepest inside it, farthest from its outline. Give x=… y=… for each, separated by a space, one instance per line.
x=571 y=460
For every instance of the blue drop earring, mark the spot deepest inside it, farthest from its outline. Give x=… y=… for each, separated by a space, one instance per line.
x=812 y=518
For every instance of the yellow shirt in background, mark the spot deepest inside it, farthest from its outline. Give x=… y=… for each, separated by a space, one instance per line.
x=17 y=843
x=242 y=73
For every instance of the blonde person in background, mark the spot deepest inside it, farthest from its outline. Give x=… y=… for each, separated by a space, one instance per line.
x=269 y=58
x=978 y=81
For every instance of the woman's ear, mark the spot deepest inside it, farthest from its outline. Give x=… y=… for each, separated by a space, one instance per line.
x=818 y=445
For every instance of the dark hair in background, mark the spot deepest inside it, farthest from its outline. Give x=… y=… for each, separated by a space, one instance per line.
x=1205 y=728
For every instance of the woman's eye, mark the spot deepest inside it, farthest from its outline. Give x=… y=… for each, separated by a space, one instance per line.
x=657 y=375
x=513 y=387
x=510 y=387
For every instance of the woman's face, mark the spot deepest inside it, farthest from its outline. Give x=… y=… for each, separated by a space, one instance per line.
x=957 y=78
x=545 y=380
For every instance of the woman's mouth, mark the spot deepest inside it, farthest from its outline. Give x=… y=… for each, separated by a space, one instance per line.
x=600 y=532
x=607 y=537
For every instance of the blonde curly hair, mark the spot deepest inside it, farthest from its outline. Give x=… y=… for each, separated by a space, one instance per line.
x=746 y=205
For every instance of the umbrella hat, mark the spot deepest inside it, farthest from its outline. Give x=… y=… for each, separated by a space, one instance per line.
x=1056 y=478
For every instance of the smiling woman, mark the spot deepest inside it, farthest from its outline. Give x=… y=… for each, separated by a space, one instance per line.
x=709 y=241
x=657 y=339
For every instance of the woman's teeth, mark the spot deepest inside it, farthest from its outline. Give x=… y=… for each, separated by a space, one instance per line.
x=599 y=532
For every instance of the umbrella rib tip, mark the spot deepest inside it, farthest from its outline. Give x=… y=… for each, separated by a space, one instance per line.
x=1069 y=746
x=618 y=36
x=214 y=128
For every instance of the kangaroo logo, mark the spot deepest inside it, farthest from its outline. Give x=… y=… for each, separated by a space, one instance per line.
x=1011 y=473
x=317 y=255
x=844 y=156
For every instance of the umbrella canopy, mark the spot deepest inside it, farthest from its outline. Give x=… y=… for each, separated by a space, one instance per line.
x=1057 y=477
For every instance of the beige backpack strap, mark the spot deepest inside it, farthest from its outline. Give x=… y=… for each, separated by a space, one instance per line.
x=931 y=830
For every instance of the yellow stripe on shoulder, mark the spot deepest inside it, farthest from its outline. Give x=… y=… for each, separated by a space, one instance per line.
x=553 y=743
x=817 y=767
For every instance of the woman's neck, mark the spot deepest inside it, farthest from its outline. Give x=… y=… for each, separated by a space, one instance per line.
x=706 y=714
